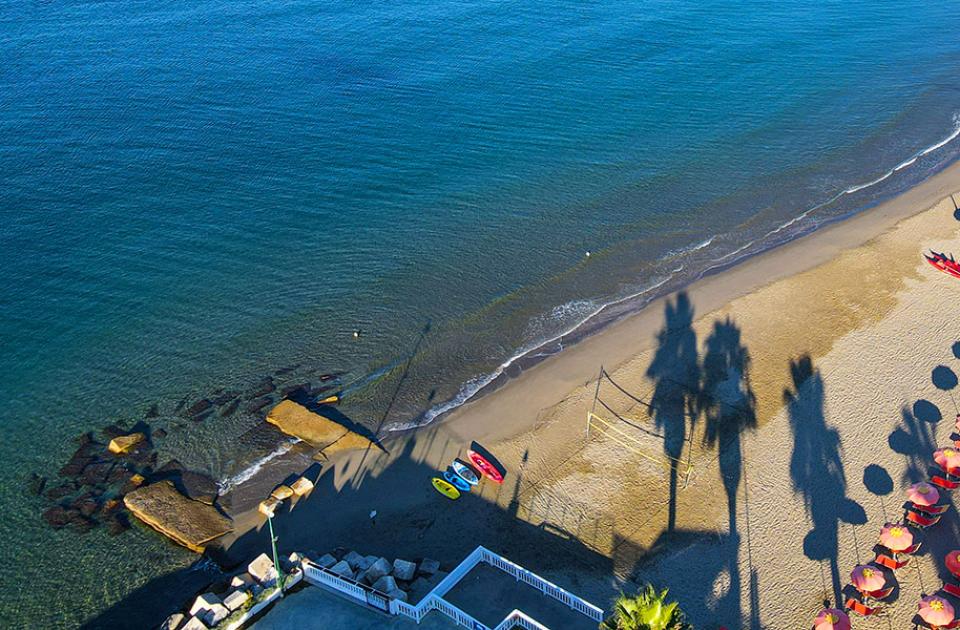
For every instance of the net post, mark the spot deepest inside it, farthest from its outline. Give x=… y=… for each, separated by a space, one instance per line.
x=596 y=394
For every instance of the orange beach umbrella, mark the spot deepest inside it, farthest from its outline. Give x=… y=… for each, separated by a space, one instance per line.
x=923 y=494
x=867 y=578
x=896 y=537
x=948 y=458
x=953 y=562
x=831 y=619
x=935 y=610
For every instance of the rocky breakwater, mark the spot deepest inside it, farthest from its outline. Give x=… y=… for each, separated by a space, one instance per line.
x=191 y=523
x=401 y=579
x=321 y=426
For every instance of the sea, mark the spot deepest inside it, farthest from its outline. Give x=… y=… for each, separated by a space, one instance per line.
x=411 y=199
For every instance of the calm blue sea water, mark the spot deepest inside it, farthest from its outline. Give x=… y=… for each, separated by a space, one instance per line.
x=194 y=195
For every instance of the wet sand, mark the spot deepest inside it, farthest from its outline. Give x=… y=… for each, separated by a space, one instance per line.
x=780 y=380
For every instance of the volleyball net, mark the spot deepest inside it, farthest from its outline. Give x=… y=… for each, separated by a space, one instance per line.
x=628 y=420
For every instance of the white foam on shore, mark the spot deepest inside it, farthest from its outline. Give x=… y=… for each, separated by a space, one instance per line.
x=470 y=389
x=231 y=482
x=474 y=385
x=850 y=190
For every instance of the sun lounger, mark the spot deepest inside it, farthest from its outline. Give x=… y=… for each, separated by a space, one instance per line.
x=922 y=521
x=879 y=595
x=912 y=548
x=888 y=562
x=952 y=588
x=932 y=510
x=943 y=482
x=859 y=608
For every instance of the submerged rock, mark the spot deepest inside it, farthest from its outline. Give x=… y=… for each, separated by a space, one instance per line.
x=265 y=387
x=199 y=487
x=36 y=483
x=198 y=409
x=190 y=523
x=230 y=409
x=153 y=411
x=224 y=398
x=258 y=404
x=58 y=492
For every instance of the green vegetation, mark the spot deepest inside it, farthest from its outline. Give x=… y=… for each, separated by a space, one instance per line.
x=647 y=610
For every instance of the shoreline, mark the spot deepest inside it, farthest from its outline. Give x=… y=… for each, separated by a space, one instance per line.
x=534 y=423
x=546 y=380
x=716 y=287
x=594 y=323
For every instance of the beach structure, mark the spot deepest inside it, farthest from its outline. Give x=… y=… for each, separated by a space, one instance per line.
x=358 y=590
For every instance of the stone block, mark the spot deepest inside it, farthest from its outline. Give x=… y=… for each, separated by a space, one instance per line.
x=242 y=581
x=301 y=486
x=397 y=594
x=204 y=602
x=428 y=566
x=403 y=569
x=125 y=443
x=262 y=570
x=214 y=615
x=343 y=569
x=235 y=600
x=282 y=492
x=386 y=584
x=326 y=561
x=194 y=623
x=377 y=570
x=353 y=559
x=173 y=622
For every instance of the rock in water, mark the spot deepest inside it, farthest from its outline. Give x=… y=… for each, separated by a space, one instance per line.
x=199 y=487
x=173 y=622
x=230 y=409
x=199 y=408
x=36 y=483
x=153 y=411
x=125 y=443
x=318 y=431
x=264 y=388
x=258 y=404
x=190 y=523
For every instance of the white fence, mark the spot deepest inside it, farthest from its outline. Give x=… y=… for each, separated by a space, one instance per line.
x=434 y=600
x=519 y=619
x=547 y=588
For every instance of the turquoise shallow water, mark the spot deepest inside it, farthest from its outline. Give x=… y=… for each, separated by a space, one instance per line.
x=195 y=195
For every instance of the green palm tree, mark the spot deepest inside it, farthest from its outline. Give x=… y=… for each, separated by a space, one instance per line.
x=647 y=610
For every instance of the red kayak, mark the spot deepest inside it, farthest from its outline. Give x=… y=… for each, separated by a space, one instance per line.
x=943 y=263
x=489 y=470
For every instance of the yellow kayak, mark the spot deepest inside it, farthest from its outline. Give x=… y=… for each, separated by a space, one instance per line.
x=445 y=488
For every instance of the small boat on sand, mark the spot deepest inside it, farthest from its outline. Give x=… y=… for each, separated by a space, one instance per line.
x=466 y=472
x=445 y=488
x=944 y=263
x=483 y=465
x=456 y=480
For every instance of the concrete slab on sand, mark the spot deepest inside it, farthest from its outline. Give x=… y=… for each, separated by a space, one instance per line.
x=314 y=608
x=489 y=595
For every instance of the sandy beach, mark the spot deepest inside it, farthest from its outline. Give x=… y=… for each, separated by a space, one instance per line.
x=780 y=380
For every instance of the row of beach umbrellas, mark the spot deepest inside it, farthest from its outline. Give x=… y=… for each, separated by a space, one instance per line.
x=870 y=580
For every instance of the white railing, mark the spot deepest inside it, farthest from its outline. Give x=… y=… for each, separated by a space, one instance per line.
x=519 y=619
x=316 y=574
x=434 y=600
x=547 y=588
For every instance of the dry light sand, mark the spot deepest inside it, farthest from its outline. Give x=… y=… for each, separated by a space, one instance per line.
x=812 y=362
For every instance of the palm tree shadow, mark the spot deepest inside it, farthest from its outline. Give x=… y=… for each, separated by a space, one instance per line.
x=675 y=372
x=816 y=469
x=728 y=405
